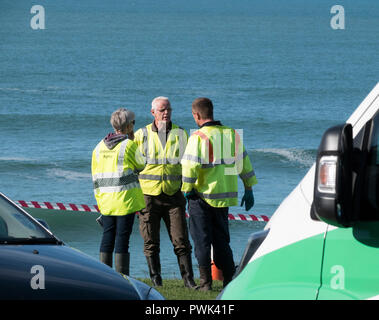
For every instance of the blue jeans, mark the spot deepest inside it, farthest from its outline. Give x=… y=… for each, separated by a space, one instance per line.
x=116 y=233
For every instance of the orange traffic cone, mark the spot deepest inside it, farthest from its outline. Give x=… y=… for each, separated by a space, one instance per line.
x=216 y=273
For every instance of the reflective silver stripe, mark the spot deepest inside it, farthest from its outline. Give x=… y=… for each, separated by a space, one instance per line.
x=218 y=162
x=165 y=177
x=172 y=177
x=191 y=158
x=121 y=154
x=111 y=175
x=162 y=161
x=189 y=180
x=153 y=160
x=97 y=151
x=172 y=160
x=116 y=181
x=120 y=164
x=117 y=188
x=226 y=161
x=247 y=175
x=149 y=177
x=113 y=182
x=219 y=195
x=145 y=144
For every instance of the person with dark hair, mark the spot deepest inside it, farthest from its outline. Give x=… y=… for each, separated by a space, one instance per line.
x=213 y=159
x=115 y=161
x=202 y=107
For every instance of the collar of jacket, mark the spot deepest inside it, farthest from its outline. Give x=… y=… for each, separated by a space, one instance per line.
x=113 y=139
x=211 y=123
x=155 y=129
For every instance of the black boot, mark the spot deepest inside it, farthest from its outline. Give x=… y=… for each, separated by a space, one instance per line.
x=205 y=278
x=122 y=261
x=228 y=274
x=155 y=270
x=107 y=258
x=186 y=271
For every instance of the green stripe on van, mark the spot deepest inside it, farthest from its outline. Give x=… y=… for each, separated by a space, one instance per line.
x=291 y=272
x=351 y=262
x=349 y=269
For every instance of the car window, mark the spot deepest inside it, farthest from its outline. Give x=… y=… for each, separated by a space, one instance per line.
x=14 y=224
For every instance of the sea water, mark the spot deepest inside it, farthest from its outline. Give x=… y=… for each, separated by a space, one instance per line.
x=278 y=70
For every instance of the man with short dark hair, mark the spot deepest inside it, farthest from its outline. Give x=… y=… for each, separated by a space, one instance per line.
x=203 y=107
x=213 y=158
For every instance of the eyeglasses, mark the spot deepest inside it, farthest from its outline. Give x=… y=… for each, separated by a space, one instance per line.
x=163 y=110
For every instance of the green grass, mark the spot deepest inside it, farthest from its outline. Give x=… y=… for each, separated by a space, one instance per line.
x=173 y=289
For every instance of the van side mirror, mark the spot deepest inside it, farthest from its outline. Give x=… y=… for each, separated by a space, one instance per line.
x=332 y=201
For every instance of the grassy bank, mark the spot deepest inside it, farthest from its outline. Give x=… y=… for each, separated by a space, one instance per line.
x=173 y=289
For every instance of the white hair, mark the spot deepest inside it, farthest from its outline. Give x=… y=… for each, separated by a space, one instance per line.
x=155 y=100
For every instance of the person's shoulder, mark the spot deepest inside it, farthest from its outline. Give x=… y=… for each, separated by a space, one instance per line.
x=98 y=145
x=131 y=144
x=179 y=128
x=176 y=126
x=226 y=127
x=130 y=141
x=143 y=128
x=140 y=131
x=196 y=136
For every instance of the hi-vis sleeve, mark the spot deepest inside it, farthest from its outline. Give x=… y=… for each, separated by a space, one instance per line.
x=247 y=173
x=191 y=163
x=134 y=157
x=140 y=138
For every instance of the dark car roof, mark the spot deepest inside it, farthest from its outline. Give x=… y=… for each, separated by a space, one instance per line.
x=66 y=273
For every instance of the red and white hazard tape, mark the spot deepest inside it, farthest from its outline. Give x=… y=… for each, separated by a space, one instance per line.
x=248 y=217
x=58 y=206
x=95 y=208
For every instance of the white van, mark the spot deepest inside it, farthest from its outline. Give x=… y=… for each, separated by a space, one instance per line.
x=323 y=240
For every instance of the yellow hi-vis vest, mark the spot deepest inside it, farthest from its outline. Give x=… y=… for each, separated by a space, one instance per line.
x=116 y=186
x=163 y=172
x=213 y=159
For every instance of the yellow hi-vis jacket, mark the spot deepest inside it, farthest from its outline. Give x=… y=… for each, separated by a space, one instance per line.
x=213 y=159
x=116 y=186
x=163 y=171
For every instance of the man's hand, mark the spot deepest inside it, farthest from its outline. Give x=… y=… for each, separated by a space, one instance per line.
x=248 y=199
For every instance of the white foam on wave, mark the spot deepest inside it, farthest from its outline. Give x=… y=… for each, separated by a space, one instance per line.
x=49 y=88
x=20 y=159
x=300 y=156
x=68 y=174
x=19 y=89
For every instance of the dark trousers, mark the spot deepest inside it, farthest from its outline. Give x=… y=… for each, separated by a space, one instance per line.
x=170 y=209
x=116 y=233
x=209 y=226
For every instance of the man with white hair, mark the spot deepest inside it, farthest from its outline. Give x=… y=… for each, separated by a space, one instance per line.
x=162 y=143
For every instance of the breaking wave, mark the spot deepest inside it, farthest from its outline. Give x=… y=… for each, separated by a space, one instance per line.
x=298 y=157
